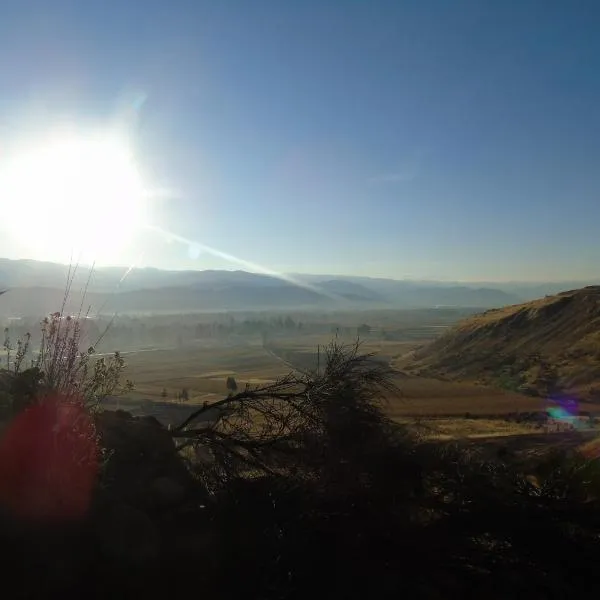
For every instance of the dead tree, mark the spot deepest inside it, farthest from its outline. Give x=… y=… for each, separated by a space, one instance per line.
x=266 y=429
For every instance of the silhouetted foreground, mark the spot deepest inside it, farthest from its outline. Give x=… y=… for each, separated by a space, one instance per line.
x=339 y=503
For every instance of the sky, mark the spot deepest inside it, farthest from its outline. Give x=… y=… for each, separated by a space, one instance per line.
x=420 y=139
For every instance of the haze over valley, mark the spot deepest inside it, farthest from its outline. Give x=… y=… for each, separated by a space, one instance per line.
x=35 y=288
x=300 y=299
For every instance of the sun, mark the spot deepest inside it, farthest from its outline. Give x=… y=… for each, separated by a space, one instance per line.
x=79 y=196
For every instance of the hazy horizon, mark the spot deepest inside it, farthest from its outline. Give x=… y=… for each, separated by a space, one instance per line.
x=434 y=141
x=323 y=274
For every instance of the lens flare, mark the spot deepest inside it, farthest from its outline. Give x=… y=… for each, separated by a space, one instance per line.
x=195 y=247
x=49 y=460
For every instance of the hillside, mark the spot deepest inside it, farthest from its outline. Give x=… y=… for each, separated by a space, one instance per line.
x=541 y=347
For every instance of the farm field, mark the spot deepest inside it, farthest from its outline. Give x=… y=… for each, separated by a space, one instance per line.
x=161 y=375
x=438 y=409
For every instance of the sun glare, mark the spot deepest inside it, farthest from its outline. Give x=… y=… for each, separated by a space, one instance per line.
x=79 y=196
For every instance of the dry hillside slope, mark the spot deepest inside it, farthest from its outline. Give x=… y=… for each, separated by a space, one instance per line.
x=540 y=347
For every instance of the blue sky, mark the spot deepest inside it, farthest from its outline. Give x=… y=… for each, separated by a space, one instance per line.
x=429 y=139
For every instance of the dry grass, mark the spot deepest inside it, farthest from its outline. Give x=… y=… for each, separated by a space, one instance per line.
x=445 y=429
x=510 y=344
x=436 y=408
x=203 y=371
x=425 y=396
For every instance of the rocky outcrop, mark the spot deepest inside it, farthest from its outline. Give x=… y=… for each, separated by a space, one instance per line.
x=142 y=467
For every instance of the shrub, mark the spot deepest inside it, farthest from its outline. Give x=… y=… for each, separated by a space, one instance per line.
x=60 y=367
x=304 y=419
x=231 y=384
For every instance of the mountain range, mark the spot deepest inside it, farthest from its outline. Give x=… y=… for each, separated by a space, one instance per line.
x=36 y=287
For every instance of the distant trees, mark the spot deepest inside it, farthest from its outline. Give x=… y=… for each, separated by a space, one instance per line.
x=509 y=379
x=363 y=330
x=547 y=378
x=158 y=331
x=266 y=325
x=231 y=384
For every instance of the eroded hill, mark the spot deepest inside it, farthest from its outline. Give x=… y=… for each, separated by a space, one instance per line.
x=540 y=347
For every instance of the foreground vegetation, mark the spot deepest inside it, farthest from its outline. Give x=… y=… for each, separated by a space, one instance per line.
x=281 y=490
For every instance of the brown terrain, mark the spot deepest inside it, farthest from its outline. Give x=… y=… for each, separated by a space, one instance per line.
x=539 y=348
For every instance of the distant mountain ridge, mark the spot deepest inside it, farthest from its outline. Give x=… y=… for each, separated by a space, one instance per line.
x=36 y=287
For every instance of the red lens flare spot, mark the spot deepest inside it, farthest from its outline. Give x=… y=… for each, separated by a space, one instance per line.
x=49 y=461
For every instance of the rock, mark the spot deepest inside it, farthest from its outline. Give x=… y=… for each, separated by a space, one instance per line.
x=167 y=492
x=125 y=534
x=143 y=469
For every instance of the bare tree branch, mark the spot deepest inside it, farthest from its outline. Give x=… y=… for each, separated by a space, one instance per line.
x=261 y=425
